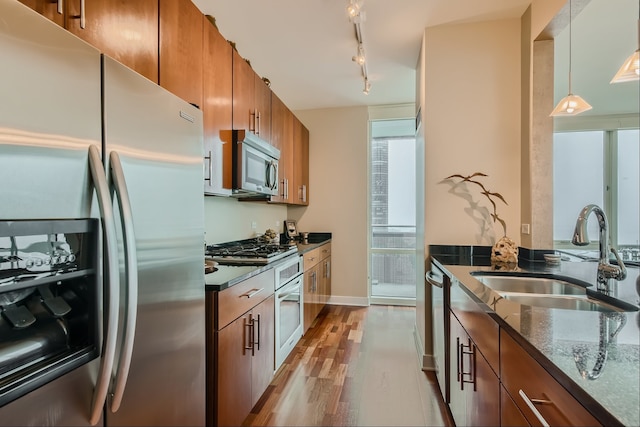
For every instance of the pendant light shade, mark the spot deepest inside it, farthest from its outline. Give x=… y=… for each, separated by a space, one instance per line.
x=571 y=104
x=630 y=70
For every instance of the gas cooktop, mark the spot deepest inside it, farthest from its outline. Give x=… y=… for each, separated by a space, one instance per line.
x=248 y=252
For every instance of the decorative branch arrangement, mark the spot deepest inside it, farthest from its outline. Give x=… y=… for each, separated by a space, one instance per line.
x=489 y=195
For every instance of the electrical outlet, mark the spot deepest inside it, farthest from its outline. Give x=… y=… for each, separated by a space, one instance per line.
x=254 y=225
x=525 y=229
x=277 y=224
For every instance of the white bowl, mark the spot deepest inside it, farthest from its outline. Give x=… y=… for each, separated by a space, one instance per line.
x=552 y=258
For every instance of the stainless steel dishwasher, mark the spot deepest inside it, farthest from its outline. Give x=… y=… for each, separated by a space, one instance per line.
x=440 y=284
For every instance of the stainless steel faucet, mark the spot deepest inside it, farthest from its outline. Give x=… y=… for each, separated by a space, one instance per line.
x=606 y=270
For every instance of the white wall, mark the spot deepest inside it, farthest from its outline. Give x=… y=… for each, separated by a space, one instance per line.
x=471 y=119
x=338 y=189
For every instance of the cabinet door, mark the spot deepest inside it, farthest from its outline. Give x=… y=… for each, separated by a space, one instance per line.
x=217 y=111
x=243 y=94
x=263 y=108
x=282 y=139
x=263 y=361
x=475 y=389
x=181 y=49
x=310 y=296
x=52 y=10
x=234 y=372
x=300 y=163
x=127 y=31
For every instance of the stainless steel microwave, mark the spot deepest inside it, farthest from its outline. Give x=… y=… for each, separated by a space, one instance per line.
x=256 y=165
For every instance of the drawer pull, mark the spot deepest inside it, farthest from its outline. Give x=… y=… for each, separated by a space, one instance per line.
x=251 y=293
x=531 y=404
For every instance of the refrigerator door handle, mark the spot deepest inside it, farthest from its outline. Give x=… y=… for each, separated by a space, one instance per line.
x=131 y=277
x=112 y=288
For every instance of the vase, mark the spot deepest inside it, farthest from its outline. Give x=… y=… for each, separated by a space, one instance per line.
x=504 y=251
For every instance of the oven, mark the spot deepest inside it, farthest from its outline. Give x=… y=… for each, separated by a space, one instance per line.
x=288 y=306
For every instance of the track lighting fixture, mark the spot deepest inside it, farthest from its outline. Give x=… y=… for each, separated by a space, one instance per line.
x=356 y=16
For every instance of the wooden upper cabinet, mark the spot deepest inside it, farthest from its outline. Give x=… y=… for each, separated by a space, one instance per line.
x=263 y=109
x=282 y=139
x=300 y=163
x=251 y=99
x=217 y=111
x=124 y=30
x=243 y=93
x=181 y=34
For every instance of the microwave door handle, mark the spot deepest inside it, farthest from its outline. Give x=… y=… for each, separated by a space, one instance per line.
x=273 y=180
x=112 y=288
x=131 y=269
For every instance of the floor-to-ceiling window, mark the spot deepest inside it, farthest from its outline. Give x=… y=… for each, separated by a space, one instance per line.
x=392 y=218
x=599 y=167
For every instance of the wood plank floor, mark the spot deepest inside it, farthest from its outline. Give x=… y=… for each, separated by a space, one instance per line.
x=356 y=366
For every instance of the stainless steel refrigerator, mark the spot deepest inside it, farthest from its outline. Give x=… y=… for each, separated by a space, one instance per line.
x=82 y=136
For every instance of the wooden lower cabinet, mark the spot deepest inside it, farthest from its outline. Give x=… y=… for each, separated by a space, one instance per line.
x=526 y=380
x=245 y=363
x=474 y=386
x=510 y=415
x=317 y=282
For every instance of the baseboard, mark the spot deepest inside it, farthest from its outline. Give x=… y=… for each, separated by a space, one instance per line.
x=340 y=300
x=427 y=360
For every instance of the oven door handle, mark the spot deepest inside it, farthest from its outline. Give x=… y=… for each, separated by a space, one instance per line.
x=131 y=276
x=290 y=289
x=112 y=288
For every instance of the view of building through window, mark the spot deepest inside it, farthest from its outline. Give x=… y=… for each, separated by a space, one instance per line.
x=392 y=210
x=598 y=167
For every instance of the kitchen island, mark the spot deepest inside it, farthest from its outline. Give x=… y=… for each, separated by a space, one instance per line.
x=567 y=344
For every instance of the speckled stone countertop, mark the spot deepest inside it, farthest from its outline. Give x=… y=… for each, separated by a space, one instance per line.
x=554 y=336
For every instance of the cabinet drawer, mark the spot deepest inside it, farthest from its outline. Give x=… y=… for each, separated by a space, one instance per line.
x=242 y=297
x=325 y=251
x=311 y=258
x=524 y=378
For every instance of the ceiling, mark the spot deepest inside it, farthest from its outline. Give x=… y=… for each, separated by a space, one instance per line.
x=305 y=47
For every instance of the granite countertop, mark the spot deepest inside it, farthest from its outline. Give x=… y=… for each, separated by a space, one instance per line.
x=229 y=275
x=555 y=336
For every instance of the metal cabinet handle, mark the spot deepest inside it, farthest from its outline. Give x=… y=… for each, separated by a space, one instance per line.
x=258 y=123
x=256 y=335
x=210 y=168
x=468 y=377
x=251 y=293
x=131 y=277
x=252 y=121
x=304 y=193
x=249 y=328
x=112 y=287
x=60 y=7
x=531 y=404
x=83 y=19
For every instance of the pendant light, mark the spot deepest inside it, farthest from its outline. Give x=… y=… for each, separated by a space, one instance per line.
x=630 y=70
x=571 y=104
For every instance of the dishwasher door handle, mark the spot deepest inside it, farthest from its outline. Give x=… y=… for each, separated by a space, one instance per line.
x=429 y=277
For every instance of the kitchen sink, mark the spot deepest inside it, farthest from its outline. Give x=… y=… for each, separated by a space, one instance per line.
x=565 y=302
x=536 y=285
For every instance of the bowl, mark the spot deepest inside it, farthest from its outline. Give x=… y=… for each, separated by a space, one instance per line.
x=552 y=258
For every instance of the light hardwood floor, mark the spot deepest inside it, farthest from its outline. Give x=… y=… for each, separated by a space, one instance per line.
x=356 y=366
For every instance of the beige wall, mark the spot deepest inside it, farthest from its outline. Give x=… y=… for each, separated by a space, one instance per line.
x=471 y=119
x=338 y=195
x=227 y=219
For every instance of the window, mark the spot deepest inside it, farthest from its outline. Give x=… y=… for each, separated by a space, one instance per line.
x=598 y=167
x=392 y=212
